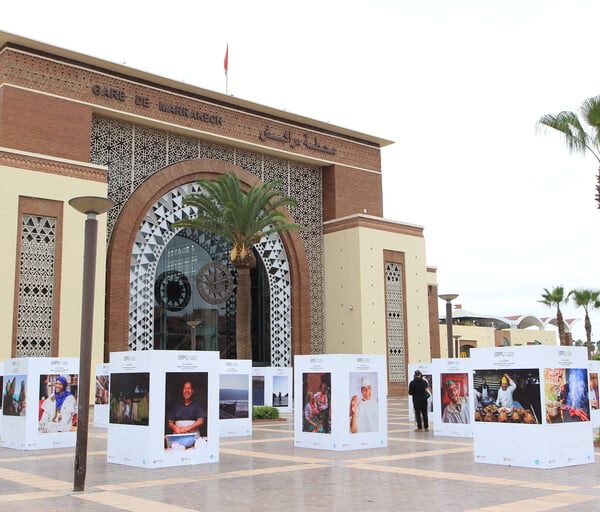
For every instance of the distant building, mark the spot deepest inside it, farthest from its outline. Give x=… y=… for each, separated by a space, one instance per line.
x=474 y=330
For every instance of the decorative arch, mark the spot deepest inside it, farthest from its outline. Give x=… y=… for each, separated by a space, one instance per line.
x=525 y=321
x=169 y=185
x=553 y=321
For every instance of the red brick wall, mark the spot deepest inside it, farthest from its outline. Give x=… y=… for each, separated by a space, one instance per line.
x=347 y=191
x=434 y=323
x=42 y=124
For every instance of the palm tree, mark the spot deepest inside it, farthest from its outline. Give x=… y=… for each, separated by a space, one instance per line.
x=579 y=140
x=555 y=298
x=243 y=218
x=586 y=299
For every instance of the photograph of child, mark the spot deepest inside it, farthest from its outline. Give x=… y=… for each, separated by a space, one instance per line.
x=130 y=398
x=316 y=393
x=186 y=406
x=364 y=403
x=58 y=403
x=454 y=398
x=14 y=399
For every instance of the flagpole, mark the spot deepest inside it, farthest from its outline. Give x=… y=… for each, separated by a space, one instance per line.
x=226 y=66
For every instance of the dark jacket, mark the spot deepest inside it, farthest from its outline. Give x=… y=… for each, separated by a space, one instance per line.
x=418 y=390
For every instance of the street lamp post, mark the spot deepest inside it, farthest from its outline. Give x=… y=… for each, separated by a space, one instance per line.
x=192 y=325
x=449 y=297
x=91 y=207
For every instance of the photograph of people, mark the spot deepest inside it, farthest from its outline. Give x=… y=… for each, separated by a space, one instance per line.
x=316 y=391
x=233 y=396
x=484 y=392
x=455 y=398
x=130 y=398
x=429 y=380
x=507 y=396
x=185 y=409
x=594 y=396
x=419 y=390
x=101 y=390
x=364 y=406
x=14 y=401
x=280 y=390
x=58 y=403
x=567 y=398
x=258 y=390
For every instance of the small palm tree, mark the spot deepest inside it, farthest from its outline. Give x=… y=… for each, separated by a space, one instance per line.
x=586 y=299
x=555 y=298
x=243 y=218
x=577 y=138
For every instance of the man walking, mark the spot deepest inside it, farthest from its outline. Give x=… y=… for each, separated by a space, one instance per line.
x=418 y=390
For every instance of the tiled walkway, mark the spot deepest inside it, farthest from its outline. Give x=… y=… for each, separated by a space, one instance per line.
x=263 y=473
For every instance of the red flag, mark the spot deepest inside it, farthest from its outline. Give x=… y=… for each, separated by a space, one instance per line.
x=226 y=60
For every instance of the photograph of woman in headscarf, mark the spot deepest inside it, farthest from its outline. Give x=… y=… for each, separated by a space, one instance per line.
x=58 y=403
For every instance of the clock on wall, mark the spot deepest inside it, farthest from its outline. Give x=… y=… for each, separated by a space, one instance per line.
x=172 y=290
x=215 y=283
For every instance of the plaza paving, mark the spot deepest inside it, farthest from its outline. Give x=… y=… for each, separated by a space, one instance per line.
x=416 y=472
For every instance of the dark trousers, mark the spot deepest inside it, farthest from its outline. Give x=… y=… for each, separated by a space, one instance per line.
x=421 y=410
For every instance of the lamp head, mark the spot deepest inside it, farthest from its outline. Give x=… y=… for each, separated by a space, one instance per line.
x=91 y=204
x=448 y=297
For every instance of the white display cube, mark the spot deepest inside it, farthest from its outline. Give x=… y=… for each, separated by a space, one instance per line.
x=164 y=408
x=101 y=395
x=340 y=402
x=453 y=392
x=235 y=391
x=537 y=413
x=39 y=403
x=427 y=370
x=272 y=386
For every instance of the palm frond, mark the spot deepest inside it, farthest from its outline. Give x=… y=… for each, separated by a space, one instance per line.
x=590 y=109
x=242 y=217
x=567 y=123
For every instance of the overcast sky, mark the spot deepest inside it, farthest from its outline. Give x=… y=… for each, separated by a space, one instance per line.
x=458 y=85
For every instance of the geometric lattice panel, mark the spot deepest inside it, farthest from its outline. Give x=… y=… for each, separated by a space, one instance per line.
x=36 y=286
x=153 y=236
x=395 y=322
x=133 y=153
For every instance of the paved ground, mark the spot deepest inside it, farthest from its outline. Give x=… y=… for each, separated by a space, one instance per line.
x=263 y=473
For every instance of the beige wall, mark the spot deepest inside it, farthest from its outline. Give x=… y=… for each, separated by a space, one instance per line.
x=525 y=336
x=16 y=182
x=432 y=278
x=485 y=336
x=355 y=319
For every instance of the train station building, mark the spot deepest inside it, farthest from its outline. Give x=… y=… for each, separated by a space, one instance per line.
x=73 y=125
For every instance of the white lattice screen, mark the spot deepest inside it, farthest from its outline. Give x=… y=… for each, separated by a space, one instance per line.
x=395 y=322
x=36 y=286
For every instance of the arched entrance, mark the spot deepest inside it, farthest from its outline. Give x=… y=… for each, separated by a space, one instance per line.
x=140 y=236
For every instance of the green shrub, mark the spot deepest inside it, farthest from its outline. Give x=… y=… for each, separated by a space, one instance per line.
x=265 y=413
